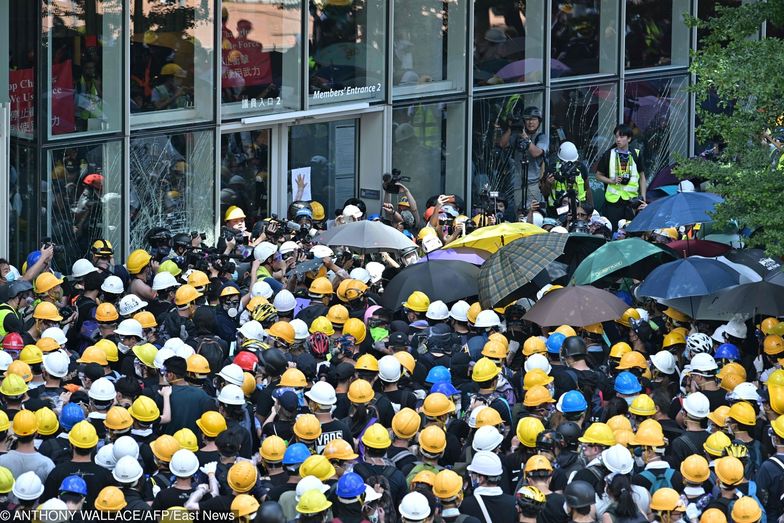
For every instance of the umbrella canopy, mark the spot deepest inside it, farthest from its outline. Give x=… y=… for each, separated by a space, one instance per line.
x=756 y=259
x=688 y=277
x=515 y=265
x=493 y=237
x=472 y=256
x=366 y=236
x=576 y=306
x=632 y=257
x=443 y=280
x=698 y=248
x=579 y=245
x=683 y=208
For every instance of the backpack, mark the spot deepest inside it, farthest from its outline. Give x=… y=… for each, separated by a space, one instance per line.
x=753 y=494
x=212 y=351
x=658 y=480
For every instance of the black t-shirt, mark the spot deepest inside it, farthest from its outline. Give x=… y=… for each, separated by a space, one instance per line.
x=342 y=406
x=207 y=456
x=94 y=475
x=277 y=490
x=171 y=497
x=334 y=429
x=220 y=504
x=282 y=428
x=553 y=511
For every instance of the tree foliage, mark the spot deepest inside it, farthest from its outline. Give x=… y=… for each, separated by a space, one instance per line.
x=740 y=96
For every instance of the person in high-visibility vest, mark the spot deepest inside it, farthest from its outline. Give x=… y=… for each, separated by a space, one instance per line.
x=621 y=171
x=568 y=172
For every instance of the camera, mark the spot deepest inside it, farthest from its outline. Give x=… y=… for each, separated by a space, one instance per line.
x=566 y=173
x=66 y=311
x=58 y=249
x=231 y=234
x=390 y=181
x=635 y=203
x=196 y=234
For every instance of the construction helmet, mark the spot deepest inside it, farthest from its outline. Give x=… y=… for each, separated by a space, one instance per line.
x=83 y=435
x=719 y=415
x=406 y=423
x=110 y=499
x=537 y=462
x=432 y=439
x=676 y=315
x=323 y=325
x=566 y=330
x=643 y=405
x=93 y=355
x=356 y=328
x=307 y=427
x=198 y=279
x=13 y=341
x=537 y=395
x=488 y=416
x=46 y=311
x=628 y=315
x=272 y=449
x=233 y=213
x=768 y=324
x=248 y=383
x=695 y=469
x=340 y=449
x=31 y=355
x=21 y=369
x=186 y=294
x=746 y=510
x=337 y=314
x=144 y=409
x=242 y=476
x=350 y=290
x=649 y=434
x=528 y=429
x=667 y=500
x=534 y=345
x=25 y=423
x=594 y=328
x=360 y=391
x=716 y=443
x=318 y=466
x=118 y=419
x=473 y=312
x=672 y=339
x=312 y=502
x=633 y=360
x=184 y=463
x=282 y=331
x=484 y=370
x=367 y=362
x=319 y=287
x=487 y=438
x=211 y=423
x=137 y=261
x=773 y=345
x=146 y=352
x=447 y=484
x=535 y=377
x=406 y=360
x=494 y=350
x=598 y=434
x=376 y=436
x=619 y=422
x=45 y=282
x=437 y=404
x=5 y=424
x=742 y=412
x=197 y=364
x=245 y=506
x=417 y=301
x=145 y=319
x=13 y=385
x=293 y=377
x=6 y=480
x=729 y=470
x=619 y=349
x=109 y=349
x=164 y=447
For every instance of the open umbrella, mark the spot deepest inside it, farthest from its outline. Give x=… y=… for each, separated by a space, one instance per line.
x=493 y=237
x=698 y=248
x=366 y=236
x=683 y=208
x=513 y=266
x=473 y=256
x=443 y=280
x=632 y=257
x=689 y=277
x=576 y=306
x=755 y=259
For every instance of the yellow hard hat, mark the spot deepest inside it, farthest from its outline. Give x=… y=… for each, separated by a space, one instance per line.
x=13 y=386
x=447 y=484
x=667 y=500
x=695 y=469
x=528 y=429
x=109 y=348
x=376 y=437
x=318 y=211
x=767 y=325
x=643 y=405
x=337 y=315
x=248 y=383
x=144 y=409
x=321 y=286
x=427 y=477
x=83 y=435
x=198 y=279
x=628 y=315
x=272 y=449
x=484 y=370
x=719 y=415
x=729 y=470
x=566 y=330
x=47 y=311
x=171 y=267
x=307 y=427
x=775 y=392
x=110 y=499
x=619 y=349
x=649 y=434
x=594 y=328
x=432 y=439
x=537 y=395
x=406 y=360
x=229 y=290
x=417 y=302
x=778 y=426
x=187 y=439
x=406 y=423
x=242 y=476
x=245 y=505
x=323 y=325
x=45 y=282
x=360 y=392
x=500 y=338
x=773 y=344
x=340 y=449
x=93 y=355
x=437 y=404
x=47 y=345
x=21 y=369
x=233 y=213
x=473 y=312
x=367 y=362
x=6 y=480
x=716 y=443
x=676 y=315
x=536 y=377
x=47 y=421
x=746 y=510
x=31 y=355
x=673 y=338
x=197 y=364
x=738 y=369
x=211 y=423
x=317 y=465
x=350 y=290
x=534 y=345
x=633 y=360
x=106 y=312
x=713 y=515
x=118 y=418
x=598 y=434
x=293 y=377
x=146 y=319
x=494 y=350
x=312 y=502
x=743 y=412
x=146 y=353
x=488 y=416
x=25 y=423
x=537 y=462
x=619 y=422
x=356 y=328
x=5 y=423
x=137 y=261
x=282 y=330
x=186 y=294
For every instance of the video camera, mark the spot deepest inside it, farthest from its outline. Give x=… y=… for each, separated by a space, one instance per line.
x=567 y=173
x=390 y=181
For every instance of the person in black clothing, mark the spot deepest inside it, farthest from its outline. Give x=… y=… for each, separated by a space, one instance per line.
x=695 y=411
x=376 y=464
x=85 y=304
x=184 y=485
x=275 y=364
x=340 y=376
x=191 y=402
x=281 y=421
x=485 y=472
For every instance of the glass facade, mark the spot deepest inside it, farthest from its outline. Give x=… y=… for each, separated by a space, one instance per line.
x=175 y=110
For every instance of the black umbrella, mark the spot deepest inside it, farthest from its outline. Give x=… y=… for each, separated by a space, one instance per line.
x=755 y=259
x=443 y=280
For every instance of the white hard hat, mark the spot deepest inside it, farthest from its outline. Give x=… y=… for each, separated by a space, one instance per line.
x=310 y=483
x=371 y=494
x=130 y=304
x=486 y=319
x=264 y=250
x=352 y=211
x=360 y=274
x=184 y=351
x=486 y=463
x=459 y=311
x=113 y=285
x=537 y=361
x=559 y=230
x=252 y=330
x=745 y=391
x=538 y=219
x=164 y=280
x=287 y=247
x=322 y=393
x=486 y=438
x=161 y=356
x=685 y=186
x=696 y=405
x=173 y=343
x=53 y=510
x=127 y=470
x=474 y=413
x=231 y=395
x=105 y=457
x=389 y=369
x=437 y=310
x=6 y=360
x=300 y=329
x=56 y=364
x=567 y=152
x=284 y=301
x=261 y=288
x=57 y=334
x=28 y=487
x=736 y=329
x=129 y=327
x=82 y=268
x=232 y=373
x=125 y=446
x=718 y=334
x=321 y=251
x=376 y=270
x=644 y=316
x=414 y=507
x=184 y=463
x=664 y=361
x=618 y=459
x=102 y=390
x=703 y=362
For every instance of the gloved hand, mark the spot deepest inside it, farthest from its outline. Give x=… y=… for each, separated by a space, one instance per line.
x=209 y=468
x=692 y=512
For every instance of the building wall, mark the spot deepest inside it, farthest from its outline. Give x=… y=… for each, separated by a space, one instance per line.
x=139 y=113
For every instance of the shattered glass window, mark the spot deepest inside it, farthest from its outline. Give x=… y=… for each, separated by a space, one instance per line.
x=85 y=200
x=172 y=184
x=657 y=112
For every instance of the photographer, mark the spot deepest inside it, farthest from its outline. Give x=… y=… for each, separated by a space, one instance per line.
x=568 y=179
x=528 y=148
x=621 y=171
x=392 y=184
x=234 y=235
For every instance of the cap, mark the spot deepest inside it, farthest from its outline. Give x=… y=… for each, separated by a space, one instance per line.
x=398 y=339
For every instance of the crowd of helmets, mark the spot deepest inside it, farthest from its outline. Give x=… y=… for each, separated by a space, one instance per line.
x=174 y=394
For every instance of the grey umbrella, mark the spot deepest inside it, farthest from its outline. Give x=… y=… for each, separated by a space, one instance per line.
x=366 y=236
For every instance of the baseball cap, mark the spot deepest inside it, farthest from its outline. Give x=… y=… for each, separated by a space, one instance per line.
x=398 y=339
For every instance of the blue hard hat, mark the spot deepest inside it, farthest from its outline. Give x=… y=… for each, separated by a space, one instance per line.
x=32 y=258
x=554 y=342
x=439 y=374
x=727 y=351
x=573 y=401
x=71 y=415
x=445 y=388
x=295 y=454
x=74 y=484
x=627 y=383
x=350 y=485
x=374 y=217
x=304 y=212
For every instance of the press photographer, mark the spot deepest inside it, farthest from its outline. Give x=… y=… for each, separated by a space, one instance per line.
x=528 y=148
x=565 y=185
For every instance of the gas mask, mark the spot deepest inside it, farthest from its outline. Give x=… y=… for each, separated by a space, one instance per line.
x=232 y=308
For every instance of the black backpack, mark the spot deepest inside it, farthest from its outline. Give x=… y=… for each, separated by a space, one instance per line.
x=211 y=349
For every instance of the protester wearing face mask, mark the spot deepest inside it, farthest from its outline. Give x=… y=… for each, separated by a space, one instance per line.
x=695 y=410
x=45 y=315
x=227 y=312
x=649 y=445
x=488 y=502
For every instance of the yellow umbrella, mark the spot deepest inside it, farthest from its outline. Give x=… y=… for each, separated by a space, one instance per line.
x=493 y=237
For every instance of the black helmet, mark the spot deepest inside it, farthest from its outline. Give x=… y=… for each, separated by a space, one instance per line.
x=549 y=440
x=17 y=287
x=158 y=236
x=532 y=112
x=270 y=512
x=274 y=362
x=291 y=213
x=570 y=432
x=181 y=240
x=573 y=346
x=579 y=494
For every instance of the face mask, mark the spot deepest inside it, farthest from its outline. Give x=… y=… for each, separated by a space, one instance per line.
x=629 y=400
x=373 y=518
x=474 y=483
x=122 y=347
x=235 y=275
x=639 y=461
x=232 y=312
x=378 y=333
x=10 y=276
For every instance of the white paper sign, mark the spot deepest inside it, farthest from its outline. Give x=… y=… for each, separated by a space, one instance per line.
x=302 y=173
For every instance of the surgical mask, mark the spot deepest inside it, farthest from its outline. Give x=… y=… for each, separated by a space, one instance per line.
x=639 y=461
x=373 y=517
x=378 y=333
x=122 y=347
x=474 y=482
x=629 y=400
x=10 y=276
x=235 y=276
